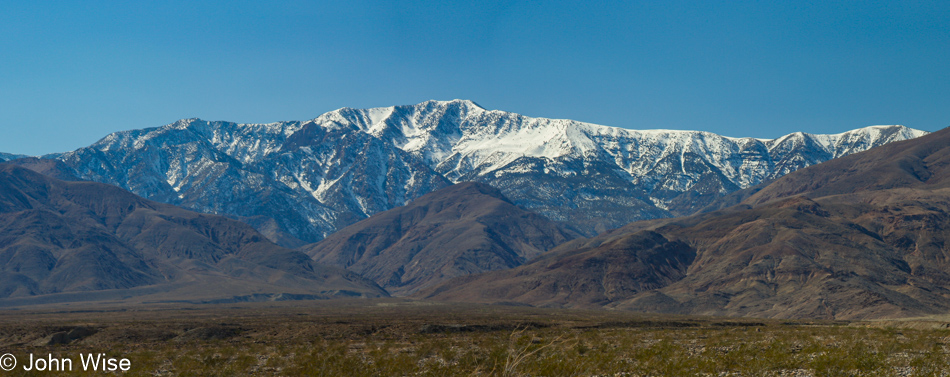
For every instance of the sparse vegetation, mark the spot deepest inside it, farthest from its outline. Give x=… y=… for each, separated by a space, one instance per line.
x=470 y=340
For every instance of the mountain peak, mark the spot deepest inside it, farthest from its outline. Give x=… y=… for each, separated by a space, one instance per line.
x=460 y=102
x=468 y=189
x=350 y=163
x=10 y=156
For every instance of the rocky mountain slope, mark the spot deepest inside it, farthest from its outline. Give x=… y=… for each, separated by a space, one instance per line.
x=297 y=182
x=8 y=156
x=463 y=229
x=48 y=167
x=589 y=277
x=82 y=241
x=864 y=236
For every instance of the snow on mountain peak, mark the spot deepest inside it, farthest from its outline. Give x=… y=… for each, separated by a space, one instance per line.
x=306 y=179
x=466 y=141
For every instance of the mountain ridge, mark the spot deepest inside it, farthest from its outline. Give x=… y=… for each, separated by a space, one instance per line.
x=462 y=229
x=81 y=240
x=348 y=164
x=860 y=237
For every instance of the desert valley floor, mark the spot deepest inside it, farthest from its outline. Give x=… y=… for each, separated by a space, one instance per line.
x=392 y=337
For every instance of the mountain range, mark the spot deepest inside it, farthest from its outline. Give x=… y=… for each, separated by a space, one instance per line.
x=446 y=200
x=84 y=241
x=298 y=182
x=9 y=156
x=862 y=236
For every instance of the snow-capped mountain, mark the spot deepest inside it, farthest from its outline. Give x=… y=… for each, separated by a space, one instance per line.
x=8 y=156
x=299 y=181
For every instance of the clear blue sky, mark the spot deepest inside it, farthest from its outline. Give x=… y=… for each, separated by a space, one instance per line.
x=74 y=71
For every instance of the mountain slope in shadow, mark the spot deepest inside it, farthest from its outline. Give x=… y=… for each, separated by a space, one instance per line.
x=82 y=241
x=463 y=229
x=863 y=236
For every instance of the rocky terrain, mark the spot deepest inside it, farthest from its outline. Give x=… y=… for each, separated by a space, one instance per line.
x=450 y=201
x=298 y=182
x=8 y=156
x=463 y=229
x=863 y=236
x=86 y=241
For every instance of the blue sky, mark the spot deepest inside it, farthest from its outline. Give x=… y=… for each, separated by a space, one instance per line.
x=74 y=71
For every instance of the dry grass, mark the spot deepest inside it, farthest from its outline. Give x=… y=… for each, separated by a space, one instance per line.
x=396 y=339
